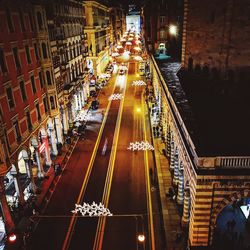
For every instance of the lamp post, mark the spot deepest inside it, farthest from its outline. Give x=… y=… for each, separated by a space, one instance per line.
x=173 y=30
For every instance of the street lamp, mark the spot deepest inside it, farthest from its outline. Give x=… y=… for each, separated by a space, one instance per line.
x=141 y=238
x=173 y=30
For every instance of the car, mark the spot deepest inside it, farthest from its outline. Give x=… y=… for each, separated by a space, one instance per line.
x=94 y=105
x=121 y=72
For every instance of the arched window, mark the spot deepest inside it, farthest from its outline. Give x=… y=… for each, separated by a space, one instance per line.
x=44 y=50
x=39 y=20
x=52 y=102
x=49 y=82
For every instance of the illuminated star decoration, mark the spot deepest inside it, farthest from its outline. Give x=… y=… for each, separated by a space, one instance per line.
x=91 y=210
x=140 y=146
x=83 y=115
x=115 y=97
x=138 y=83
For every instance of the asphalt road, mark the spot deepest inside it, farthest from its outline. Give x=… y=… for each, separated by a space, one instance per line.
x=117 y=179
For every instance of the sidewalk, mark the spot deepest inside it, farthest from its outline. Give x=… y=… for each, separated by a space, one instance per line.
x=170 y=213
x=51 y=177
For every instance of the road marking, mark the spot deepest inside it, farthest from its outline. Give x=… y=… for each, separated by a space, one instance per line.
x=149 y=199
x=106 y=194
x=73 y=220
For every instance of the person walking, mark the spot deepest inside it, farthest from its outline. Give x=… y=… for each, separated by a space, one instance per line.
x=105 y=146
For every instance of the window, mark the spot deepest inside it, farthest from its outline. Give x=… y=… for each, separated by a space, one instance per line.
x=45 y=104
x=52 y=103
x=31 y=22
x=16 y=58
x=21 y=21
x=9 y=21
x=10 y=97
x=33 y=84
x=162 y=20
x=39 y=20
x=36 y=51
x=17 y=130
x=23 y=91
x=49 y=82
x=162 y=34
x=44 y=49
x=29 y=123
x=38 y=112
x=3 y=67
x=41 y=79
x=27 y=50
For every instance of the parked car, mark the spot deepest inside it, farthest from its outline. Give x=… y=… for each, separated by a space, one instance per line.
x=94 y=105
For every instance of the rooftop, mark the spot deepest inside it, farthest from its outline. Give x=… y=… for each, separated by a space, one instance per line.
x=216 y=113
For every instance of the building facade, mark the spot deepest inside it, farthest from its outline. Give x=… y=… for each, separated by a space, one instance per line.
x=215 y=35
x=158 y=21
x=118 y=24
x=197 y=108
x=28 y=102
x=66 y=21
x=98 y=34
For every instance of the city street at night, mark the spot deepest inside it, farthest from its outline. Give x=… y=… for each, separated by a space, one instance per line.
x=118 y=179
x=124 y=125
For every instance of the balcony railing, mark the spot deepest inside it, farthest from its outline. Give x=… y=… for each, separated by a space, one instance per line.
x=234 y=161
x=223 y=162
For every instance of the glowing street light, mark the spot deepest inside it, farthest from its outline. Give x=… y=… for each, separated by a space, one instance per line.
x=141 y=238
x=173 y=30
x=12 y=238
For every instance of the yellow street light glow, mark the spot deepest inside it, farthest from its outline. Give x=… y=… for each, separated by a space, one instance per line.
x=141 y=238
x=138 y=110
x=173 y=29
